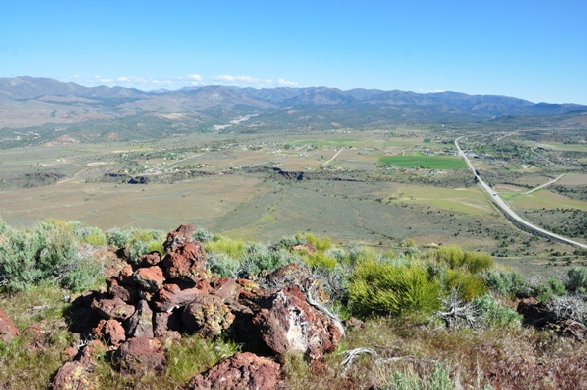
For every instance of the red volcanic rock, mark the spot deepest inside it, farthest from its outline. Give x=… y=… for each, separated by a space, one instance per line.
x=244 y=370
x=127 y=293
x=8 y=330
x=111 y=331
x=172 y=296
x=114 y=308
x=125 y=275
x=139 y=355
x=72 y=375
x=166 y=322
x=288 y=324
x=182 y=235
x=141 y=322
x=207 y=315
x=290 y=274
x=149 y=259
x=307 y=247
x=226 y=288
x=186 y=262
x=75 y=375
x=149 y=279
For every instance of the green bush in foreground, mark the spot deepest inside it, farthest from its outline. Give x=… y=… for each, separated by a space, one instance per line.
x=438 y=379
x=577 y=280
x=51 y=251
x=495 y=315
x=388 y=288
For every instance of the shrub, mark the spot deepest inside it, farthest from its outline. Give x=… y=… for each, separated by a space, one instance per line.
x=577 y=280
x=93 y=236
x=319 y=260
x=438 y=379
x=258 y=258
x=495 y=315
x=478 y=262
x=320 y=244
x=506 y=283
x=232 y=248
x=451 y=255
x=202 y=235
x=549 y=290
x=223 y=265
x=50 y=251
x=118 y=237
x=469 y=286
x=143 y=242
x=357 y=255
x=387 y=288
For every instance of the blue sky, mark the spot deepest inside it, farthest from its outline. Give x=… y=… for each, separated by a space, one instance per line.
x=535 y=50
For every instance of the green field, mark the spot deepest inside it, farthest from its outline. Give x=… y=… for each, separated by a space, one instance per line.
x=415 y=161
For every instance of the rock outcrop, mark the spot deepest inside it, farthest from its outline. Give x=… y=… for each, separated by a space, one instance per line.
x=8 y=330
x=158 y=298
x=244 y=370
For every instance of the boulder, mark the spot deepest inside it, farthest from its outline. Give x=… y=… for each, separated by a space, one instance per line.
x=180 y=236
x=73 y=376
x=149 y=260
x=125 y=276
x=110 y=331
x=186 y=262
x=139 y=355
x=8 y=330
x=244 y=370
x=171 y=296
x=226 y=288
x=141 y=322
x=128 y=294
x=166 y=322
x=288 y=324
x=149 y=279
x=114 y=308
x=207 y=315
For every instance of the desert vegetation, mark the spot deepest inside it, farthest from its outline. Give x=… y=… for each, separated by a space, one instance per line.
x=415 y=317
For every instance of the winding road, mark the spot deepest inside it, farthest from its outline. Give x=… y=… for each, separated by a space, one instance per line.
x=507 y=210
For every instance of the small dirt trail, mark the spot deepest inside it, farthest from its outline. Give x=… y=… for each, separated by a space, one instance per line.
x=544 y=185
x=333 y=157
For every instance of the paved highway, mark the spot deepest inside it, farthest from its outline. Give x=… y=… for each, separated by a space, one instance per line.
x=507 y=210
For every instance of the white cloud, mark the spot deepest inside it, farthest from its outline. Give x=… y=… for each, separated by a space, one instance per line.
x=194 y=77
x=286 y=83
x=122 y=79
x=241 y=79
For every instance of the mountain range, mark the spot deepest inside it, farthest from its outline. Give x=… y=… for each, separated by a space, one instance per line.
x=42 y=103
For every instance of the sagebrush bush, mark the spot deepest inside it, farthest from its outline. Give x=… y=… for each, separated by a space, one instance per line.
x=549 y=290
x=387 y=288
x=223 y=265
x=202 y=235
x=577 y=282
x=118 y=237
x=258 y=258
x=495 y=315
x=506 y=283
x=142 y=242
x=438 y=379
x=93 y=236
x=50 y=251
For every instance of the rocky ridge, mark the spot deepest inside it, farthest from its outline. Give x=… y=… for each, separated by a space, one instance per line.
x=163 y=297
